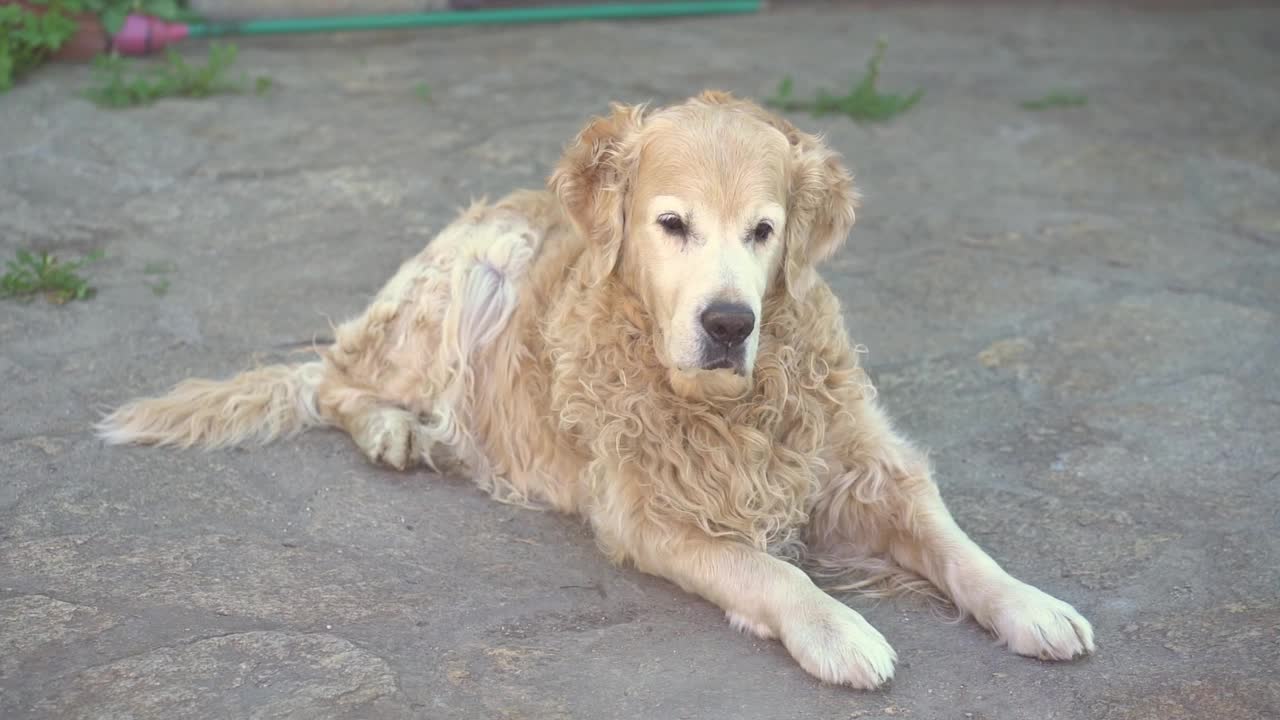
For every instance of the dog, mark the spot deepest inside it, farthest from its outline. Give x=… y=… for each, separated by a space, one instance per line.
x=647 y=343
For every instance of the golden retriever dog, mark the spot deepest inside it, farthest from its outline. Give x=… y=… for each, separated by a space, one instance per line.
x=647 y=344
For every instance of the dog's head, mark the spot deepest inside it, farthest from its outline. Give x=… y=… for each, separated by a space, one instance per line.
x=702 y=209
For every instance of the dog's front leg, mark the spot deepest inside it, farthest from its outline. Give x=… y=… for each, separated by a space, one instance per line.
x=886 y=503
x=758 y=592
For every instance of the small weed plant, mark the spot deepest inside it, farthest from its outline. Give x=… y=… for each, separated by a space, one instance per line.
x=159 y=286
x=118 y=83
x=863 y=103
x=28 y=38
x=59 y=281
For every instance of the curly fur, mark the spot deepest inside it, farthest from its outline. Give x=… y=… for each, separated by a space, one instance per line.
x=528 y=345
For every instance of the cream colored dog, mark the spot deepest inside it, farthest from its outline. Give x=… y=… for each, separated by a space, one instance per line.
x=648 y=345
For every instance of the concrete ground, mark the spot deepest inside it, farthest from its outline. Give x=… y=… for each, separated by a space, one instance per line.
x=1077 y=310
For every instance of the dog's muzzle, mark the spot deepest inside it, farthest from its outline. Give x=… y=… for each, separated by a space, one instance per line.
x=726 y=326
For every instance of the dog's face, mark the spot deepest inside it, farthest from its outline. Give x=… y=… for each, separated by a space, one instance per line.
x=703 y=228
x=702 y=209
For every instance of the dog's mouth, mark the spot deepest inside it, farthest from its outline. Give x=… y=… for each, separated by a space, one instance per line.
x=710 y=384
x=720 y=357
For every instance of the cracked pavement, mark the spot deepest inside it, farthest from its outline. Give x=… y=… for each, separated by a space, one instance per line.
x=1076 y=310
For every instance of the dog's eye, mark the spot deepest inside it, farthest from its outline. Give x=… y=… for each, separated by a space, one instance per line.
x=672 y=224
x=762 y=232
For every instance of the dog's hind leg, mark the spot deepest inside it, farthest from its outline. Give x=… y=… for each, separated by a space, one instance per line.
x=385 y=432
x=399 y=378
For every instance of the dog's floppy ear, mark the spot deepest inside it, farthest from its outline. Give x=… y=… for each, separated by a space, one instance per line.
x=592 y=180
x=821 y=209
x=822 y=199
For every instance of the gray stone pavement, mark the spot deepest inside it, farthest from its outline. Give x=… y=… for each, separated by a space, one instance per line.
x=1077 y=310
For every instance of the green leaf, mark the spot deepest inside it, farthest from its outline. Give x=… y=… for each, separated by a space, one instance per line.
x=163 y=9
x=113 y=18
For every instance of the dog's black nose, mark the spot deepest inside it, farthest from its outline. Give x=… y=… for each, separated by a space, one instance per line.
x=729 y=323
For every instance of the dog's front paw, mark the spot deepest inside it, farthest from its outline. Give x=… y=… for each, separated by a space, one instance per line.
x=1036 y=624
x=391 y=436
x=835 y=644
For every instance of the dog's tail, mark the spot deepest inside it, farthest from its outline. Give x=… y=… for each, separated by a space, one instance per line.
x=261 y=404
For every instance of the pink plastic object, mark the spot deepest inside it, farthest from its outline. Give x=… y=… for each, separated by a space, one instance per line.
x=142 y=35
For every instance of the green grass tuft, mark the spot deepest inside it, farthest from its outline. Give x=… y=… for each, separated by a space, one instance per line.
x=120 y=84
x=1055 y=99
x=161 y=286
x=863 y=103
x=423 y=91
x=30 y=275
